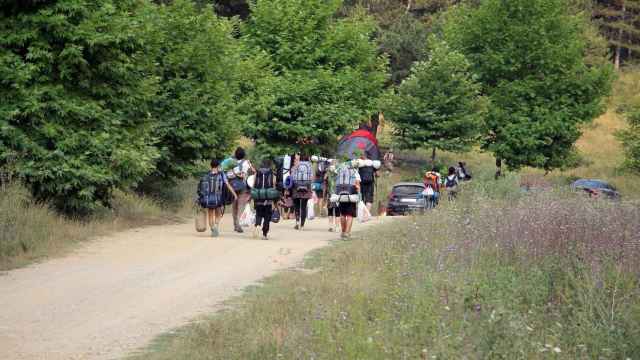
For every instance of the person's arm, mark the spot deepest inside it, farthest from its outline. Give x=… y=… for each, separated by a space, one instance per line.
x=226 y=182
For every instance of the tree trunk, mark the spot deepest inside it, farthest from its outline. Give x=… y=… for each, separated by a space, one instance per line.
x=498 y=168
x=616 y=62
x=433 y=157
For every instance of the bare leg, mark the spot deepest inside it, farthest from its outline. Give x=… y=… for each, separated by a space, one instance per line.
x=348 y=223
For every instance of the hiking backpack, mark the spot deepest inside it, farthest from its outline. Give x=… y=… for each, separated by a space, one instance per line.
x=303 y=178
x=264 y=188
x=431 y=179
x=367 y=175
x=346 y=190
x=451 y=182
x=210 y=190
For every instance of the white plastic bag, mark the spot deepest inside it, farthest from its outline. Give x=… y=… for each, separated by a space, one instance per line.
x=311 y=211
x=363 y=213
x=248 y=217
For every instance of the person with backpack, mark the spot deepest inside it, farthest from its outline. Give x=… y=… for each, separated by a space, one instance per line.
x=301 y=192
x=462 y=172
x=451 y=184
x=238 y=180
x=211 y=194
x=347 y=189
x=333 y=208
x=264 y=193
x=367 y=181
x=431 y=182
x=320 y=183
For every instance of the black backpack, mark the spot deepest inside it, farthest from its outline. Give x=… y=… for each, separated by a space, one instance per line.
x=264 y=188
x=210 y=190
x=367 y=174
x=264 y=179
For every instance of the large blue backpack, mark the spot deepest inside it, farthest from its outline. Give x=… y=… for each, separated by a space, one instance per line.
x=211 y=190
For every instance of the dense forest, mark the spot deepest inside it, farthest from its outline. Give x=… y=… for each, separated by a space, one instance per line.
x=107 y=94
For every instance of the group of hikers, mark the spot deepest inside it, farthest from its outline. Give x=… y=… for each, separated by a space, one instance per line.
x=434 y=183
x=289 y=182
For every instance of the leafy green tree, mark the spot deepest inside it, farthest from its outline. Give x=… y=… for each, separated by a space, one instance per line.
x=631 y=140
x=327 y=73
x=198 y=64
x=439 y=105
x=73 y=117
x=529 y=57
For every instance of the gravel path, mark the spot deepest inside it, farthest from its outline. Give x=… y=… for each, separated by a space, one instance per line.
x=117 y=293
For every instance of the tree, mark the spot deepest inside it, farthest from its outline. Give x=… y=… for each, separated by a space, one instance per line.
x=529 y=58
x=628 y=91
x=198 y=64
x=619 y=21
x=327 y=74
x=73 y=118
x=439 y=105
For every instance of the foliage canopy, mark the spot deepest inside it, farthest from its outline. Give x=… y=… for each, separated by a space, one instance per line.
x=327 y=73
x=529 y=57
x=439 y=105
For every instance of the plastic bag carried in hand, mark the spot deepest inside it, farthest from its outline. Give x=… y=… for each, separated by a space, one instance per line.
x=363 y=213
x=311 y=211
x=248 y=217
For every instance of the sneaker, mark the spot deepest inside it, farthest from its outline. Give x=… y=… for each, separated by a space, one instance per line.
x=297 y=227
x=215 y=232
x=343 y=235
x=347 y=236
x=255 y=232
x=265 y=237
x=238 y=229
x=331 y=229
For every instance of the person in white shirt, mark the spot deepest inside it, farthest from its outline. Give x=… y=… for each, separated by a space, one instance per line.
x=238 y=179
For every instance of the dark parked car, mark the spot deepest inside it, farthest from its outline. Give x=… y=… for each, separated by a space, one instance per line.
x=594 y=188
x=406 y=198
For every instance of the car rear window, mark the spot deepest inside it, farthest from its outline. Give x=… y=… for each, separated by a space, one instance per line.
x=593 y=184
x=407 y=190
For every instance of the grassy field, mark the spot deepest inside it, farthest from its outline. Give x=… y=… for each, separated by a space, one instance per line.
x=30 y=231
x=498 y=274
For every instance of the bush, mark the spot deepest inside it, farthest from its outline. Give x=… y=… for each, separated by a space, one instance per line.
x=74 y=116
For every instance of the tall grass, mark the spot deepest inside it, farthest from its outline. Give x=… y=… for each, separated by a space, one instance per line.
x=497 y=274
x=30 y=231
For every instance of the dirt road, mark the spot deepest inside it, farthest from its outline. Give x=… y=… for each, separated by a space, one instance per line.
x=117 y=293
